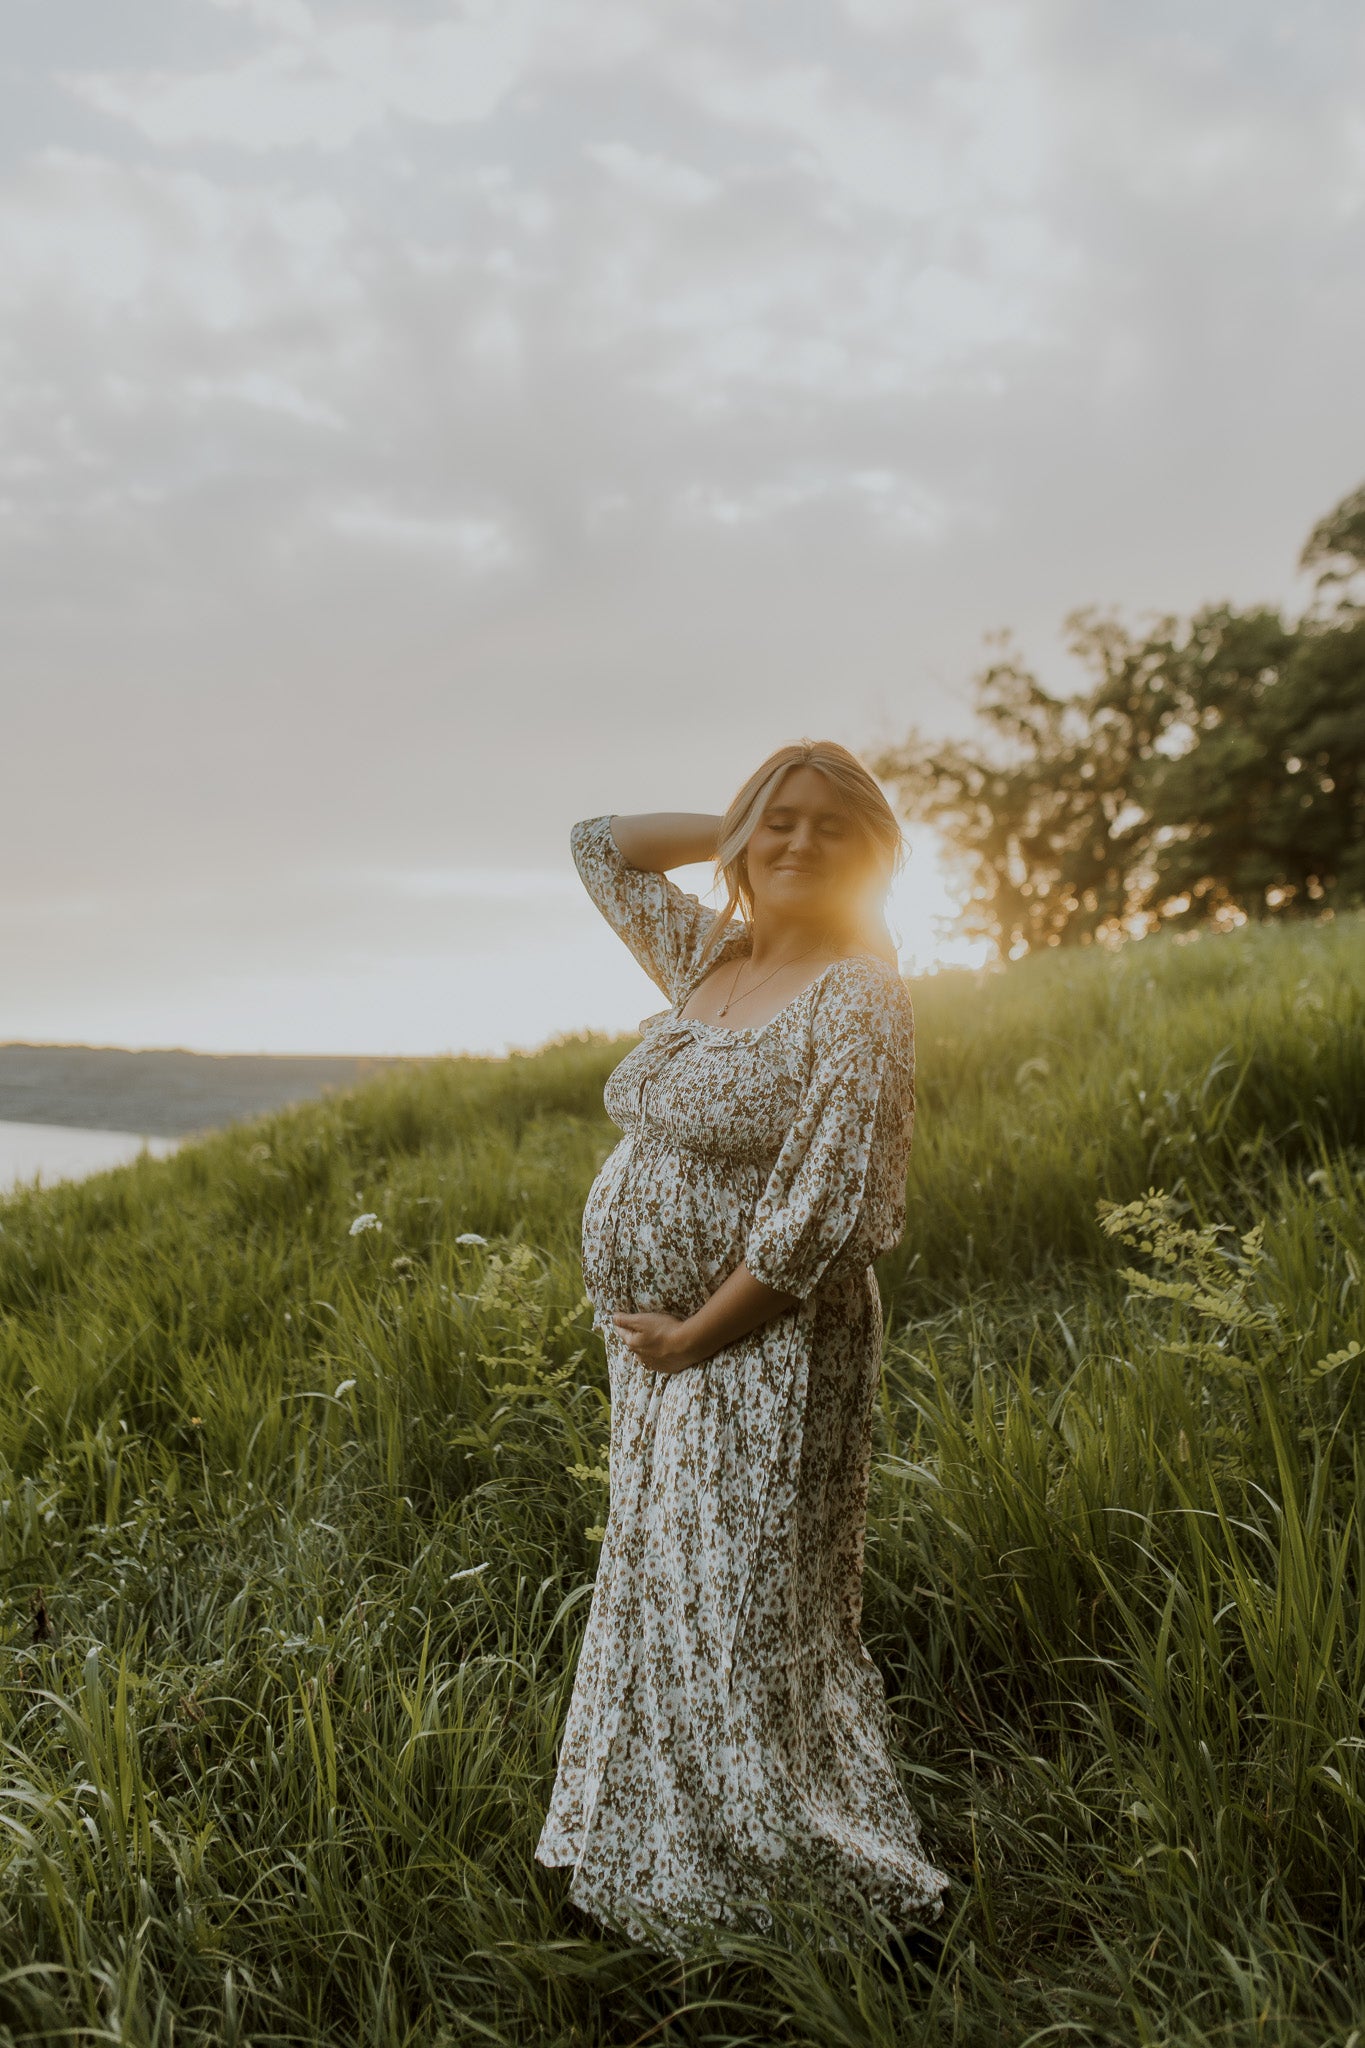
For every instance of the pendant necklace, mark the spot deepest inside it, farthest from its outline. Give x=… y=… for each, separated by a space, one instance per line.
x=767 y=977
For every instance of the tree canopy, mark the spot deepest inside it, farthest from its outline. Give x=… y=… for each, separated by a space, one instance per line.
x=1211 y=769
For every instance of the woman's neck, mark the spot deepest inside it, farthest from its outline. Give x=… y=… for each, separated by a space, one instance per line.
x=782 y=943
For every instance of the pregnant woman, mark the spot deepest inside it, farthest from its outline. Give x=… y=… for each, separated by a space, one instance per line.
x=727 y=1742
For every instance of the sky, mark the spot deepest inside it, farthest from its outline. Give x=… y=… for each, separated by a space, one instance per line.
x=424 y=426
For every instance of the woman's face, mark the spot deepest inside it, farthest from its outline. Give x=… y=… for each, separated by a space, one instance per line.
x=807 y=860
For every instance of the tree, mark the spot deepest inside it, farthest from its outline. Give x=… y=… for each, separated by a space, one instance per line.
x=1037 y=811
x=1336 y=548
x=1264 y=814
x=1208 y=771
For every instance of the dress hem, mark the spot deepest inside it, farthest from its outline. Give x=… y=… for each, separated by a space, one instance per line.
x=678 y=1929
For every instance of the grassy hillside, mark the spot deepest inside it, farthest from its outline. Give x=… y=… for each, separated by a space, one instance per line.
x=296 y=1547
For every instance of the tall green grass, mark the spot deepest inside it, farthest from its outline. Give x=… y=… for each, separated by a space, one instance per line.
x=295 y=1528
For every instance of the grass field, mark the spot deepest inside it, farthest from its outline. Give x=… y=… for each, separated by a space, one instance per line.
x=296 y=1553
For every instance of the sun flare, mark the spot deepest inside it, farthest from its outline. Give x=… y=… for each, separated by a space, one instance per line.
x=923 y=907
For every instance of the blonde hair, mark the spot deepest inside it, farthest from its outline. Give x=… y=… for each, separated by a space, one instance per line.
x=869 y=812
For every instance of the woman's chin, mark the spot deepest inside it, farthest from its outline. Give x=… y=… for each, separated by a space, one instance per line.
x=790 y=897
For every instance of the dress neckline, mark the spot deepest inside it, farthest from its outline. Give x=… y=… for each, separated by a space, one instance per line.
x=753 y=1030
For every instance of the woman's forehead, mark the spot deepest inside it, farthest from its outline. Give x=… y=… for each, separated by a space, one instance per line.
x=806 y=789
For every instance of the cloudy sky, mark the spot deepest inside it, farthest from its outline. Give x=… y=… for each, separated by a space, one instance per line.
x=423 y=426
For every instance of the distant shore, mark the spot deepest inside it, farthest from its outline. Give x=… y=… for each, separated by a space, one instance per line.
x=161 y=1094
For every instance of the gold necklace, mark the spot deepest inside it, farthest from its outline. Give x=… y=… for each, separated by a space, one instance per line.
x=767 y=977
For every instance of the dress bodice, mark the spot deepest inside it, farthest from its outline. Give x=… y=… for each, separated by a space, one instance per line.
x=818 y=1101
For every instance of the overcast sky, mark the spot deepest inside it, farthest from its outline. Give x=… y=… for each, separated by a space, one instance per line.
x=427 y=425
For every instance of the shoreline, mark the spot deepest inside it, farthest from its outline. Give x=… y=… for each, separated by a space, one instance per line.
x=164 y=1094
x=51 y=1153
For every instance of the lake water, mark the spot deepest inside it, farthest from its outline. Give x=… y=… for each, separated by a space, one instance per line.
x=59 y=1152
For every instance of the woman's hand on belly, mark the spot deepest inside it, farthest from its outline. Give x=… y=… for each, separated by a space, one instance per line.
x=669 y=1344
x=659 y=1342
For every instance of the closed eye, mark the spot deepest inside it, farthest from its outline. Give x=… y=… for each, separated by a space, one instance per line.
x=783 y=821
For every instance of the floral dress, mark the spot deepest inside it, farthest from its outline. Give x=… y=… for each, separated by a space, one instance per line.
x=727 y=1738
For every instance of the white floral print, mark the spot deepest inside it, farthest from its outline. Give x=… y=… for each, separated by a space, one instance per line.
x=727 y=1740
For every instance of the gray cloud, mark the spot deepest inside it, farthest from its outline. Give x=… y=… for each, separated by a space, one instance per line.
x=421 y=426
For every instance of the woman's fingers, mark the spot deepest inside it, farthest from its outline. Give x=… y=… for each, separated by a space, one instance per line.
x=653 y=1339
x=636 y=1335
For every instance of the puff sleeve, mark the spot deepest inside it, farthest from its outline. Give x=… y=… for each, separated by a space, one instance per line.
x=837 y=1188
x=663 y=926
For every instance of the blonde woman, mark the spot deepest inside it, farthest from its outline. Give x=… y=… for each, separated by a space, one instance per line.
x=727 y=1739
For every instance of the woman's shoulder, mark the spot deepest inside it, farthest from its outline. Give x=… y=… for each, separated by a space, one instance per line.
x=865 y=994
x=863 y=1010
x=868 y=974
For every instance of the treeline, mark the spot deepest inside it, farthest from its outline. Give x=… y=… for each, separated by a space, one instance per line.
x=1212 y=771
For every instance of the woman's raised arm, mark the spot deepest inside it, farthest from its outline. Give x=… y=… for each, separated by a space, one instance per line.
x=659 y=840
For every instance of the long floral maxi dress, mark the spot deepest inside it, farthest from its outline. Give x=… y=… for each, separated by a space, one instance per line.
x=727 y=1738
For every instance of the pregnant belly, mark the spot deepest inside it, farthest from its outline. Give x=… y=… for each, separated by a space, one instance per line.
x=662 y=1228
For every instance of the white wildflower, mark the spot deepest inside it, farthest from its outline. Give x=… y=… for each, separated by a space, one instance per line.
x=369 y=1221
x=470 y=1237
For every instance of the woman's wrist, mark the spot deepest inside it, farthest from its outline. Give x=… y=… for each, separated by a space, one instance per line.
x=689 y=1346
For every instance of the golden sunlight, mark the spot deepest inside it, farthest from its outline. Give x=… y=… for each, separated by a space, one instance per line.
x=923 y=907
x=920 y=911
